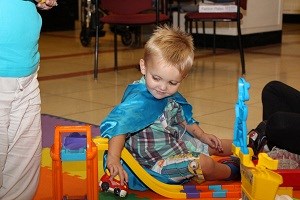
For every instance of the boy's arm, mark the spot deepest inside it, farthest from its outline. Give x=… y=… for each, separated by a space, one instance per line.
x=209 y=139
x=115 y=147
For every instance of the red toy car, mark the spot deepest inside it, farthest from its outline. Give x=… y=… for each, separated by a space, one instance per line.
x=112 y=186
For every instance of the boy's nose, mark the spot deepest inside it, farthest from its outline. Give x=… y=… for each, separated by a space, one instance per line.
x=163 y=87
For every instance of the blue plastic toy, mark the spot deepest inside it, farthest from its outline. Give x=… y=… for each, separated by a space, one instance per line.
x=241 y=113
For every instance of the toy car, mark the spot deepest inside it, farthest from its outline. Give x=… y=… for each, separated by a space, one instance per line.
x=114 y=186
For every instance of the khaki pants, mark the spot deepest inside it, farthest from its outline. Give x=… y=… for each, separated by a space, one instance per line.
x=20 y=137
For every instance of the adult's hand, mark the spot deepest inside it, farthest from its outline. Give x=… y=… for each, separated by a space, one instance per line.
x=46 y=4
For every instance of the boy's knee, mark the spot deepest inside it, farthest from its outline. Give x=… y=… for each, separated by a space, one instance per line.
x=207 y=164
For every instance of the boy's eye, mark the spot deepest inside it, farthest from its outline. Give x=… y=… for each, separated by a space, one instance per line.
x=173 y=83
x=155 y=78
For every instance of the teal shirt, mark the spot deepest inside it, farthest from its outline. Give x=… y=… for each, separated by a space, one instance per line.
x=20 y=26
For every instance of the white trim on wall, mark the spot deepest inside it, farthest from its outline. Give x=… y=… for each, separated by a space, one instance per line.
x=260 y=16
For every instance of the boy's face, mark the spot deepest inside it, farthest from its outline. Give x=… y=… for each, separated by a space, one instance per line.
x=161 y=80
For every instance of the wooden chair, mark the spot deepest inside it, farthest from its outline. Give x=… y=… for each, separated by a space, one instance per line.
x=215 y=17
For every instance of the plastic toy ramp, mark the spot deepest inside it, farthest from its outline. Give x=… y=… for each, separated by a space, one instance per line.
x=168 y=190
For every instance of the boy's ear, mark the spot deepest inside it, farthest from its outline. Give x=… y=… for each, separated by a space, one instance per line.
x=142 y=66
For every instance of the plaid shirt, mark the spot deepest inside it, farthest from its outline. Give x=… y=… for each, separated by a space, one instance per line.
x=161 y=139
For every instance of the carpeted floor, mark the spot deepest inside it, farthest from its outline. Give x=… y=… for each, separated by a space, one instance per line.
x=74 y=172
x=48 y=126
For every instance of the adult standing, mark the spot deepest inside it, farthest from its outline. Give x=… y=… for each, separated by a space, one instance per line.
x=20 y=119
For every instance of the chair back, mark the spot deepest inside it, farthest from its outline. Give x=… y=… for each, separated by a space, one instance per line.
x=243 y=4
x=126 y=7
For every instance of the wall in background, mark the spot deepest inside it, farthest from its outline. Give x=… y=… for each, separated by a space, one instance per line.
x=291 y=7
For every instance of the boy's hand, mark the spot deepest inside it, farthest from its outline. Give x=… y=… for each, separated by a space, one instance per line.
x=209 y=139
x=115 y=168
x=213 y=141
x=115 y=147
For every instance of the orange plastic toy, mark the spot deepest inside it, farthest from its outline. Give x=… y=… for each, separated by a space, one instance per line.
x=91 y=153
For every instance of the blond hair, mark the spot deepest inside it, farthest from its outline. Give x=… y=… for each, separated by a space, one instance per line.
x=172 y=46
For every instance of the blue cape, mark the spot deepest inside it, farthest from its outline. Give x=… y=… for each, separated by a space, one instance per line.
x=138 y=109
